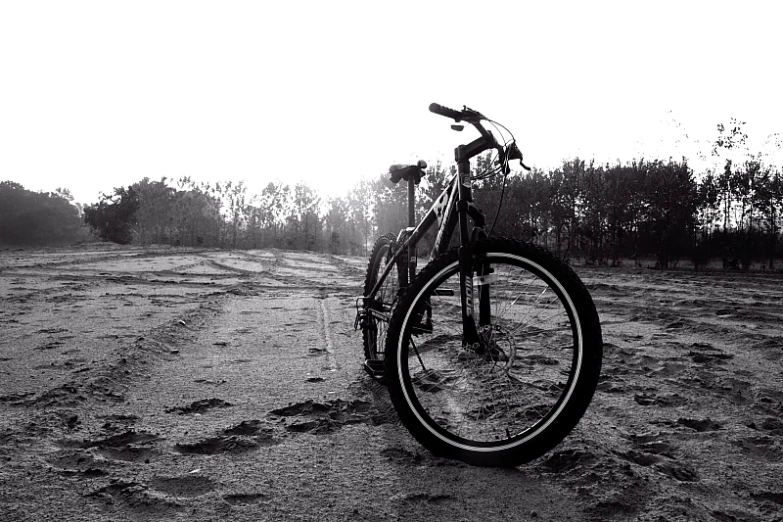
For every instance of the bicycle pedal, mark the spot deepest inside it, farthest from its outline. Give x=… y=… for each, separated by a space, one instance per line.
x=375 y=368
x=361 y=320
x=361 y=313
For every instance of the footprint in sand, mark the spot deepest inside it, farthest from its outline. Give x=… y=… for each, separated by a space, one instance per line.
x=700 y=425
x=771 y=349
x=666 y=401
x=766 y=448
x=568 y=459
x=77 y=462
x=225 y=444
x=705 y=353
x=183 y=486
x=772 y=425
x=679 y=472
x=249 y=427
x=239 y=499
x=329 y=416
x=640 y=458
x=128 y=446
x=135 y=496
x=654 y=443
x=239 y=438
x=199 y=407
x=773 y=497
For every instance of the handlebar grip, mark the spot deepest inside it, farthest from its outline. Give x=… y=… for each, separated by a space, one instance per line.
x=445 y=111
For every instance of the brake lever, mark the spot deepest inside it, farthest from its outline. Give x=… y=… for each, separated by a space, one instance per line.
x=515 y=153
x=473 y=112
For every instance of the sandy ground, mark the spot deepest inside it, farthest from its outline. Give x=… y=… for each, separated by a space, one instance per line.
x=168 y=384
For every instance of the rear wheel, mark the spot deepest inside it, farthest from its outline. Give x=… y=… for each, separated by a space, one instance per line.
x=380 y=308
x=523 y=388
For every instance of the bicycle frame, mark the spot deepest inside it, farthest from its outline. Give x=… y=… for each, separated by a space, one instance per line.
x=441 y=211
x=455 y=200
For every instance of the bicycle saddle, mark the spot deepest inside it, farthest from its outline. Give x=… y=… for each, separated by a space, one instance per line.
x=405 y=172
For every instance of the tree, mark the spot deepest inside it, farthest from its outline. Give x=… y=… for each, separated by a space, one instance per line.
x=154 y=217
x=360 y=199
x=36 y=218
x=114 y=217
x=672 y=200
x=64 y=193
x=304 y=217
x=237 y=208
x=769 y=200
x=728 y=148
x=336 y=225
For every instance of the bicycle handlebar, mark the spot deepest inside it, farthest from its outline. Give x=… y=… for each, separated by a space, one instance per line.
x=445 y=111
x=474 y=118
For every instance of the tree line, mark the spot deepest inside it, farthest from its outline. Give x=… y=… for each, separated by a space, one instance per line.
x=648 y=211
x=225 y=215
x=653 y=212
x=645 y=211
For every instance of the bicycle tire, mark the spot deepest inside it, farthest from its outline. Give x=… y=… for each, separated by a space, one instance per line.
x=450 y=402
x=374 y=332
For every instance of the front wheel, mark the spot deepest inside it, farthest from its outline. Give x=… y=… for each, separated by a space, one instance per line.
x=519 y=392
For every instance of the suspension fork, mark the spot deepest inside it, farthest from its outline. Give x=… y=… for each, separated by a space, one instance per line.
x=483 y=280
x=465 y=252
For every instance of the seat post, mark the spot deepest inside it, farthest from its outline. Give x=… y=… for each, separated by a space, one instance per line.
x=410 y=262
x=411 y=202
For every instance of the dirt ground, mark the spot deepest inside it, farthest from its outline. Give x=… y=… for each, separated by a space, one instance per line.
x=172 y=384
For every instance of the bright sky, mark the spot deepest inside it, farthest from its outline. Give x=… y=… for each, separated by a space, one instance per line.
x=95 y=95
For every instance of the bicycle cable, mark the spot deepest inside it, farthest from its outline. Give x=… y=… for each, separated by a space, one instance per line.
x=503 y=166
x=504 y=170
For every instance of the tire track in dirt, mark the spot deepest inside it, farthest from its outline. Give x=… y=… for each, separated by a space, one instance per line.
x=270 y=262
x=691 y=303
x=110 y=382
x=152 y=279
x=266 y=265
x=325 y=331
x=284 y=280
x=344 y=266
x=87 y=258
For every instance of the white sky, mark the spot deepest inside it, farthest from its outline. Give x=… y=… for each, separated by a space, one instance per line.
x=95 y=95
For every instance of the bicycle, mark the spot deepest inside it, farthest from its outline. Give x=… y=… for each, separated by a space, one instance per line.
x=492 y=352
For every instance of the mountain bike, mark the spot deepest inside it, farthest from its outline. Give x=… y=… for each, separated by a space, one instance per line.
x=492 y=352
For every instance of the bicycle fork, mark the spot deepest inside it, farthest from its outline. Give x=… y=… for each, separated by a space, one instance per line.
x=465 y=252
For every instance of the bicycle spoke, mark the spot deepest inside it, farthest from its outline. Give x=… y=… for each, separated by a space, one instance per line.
x=559 y=312
x=418 y=356
x=500 y=313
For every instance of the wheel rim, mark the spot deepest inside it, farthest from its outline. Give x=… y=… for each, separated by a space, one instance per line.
x=512 y=392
